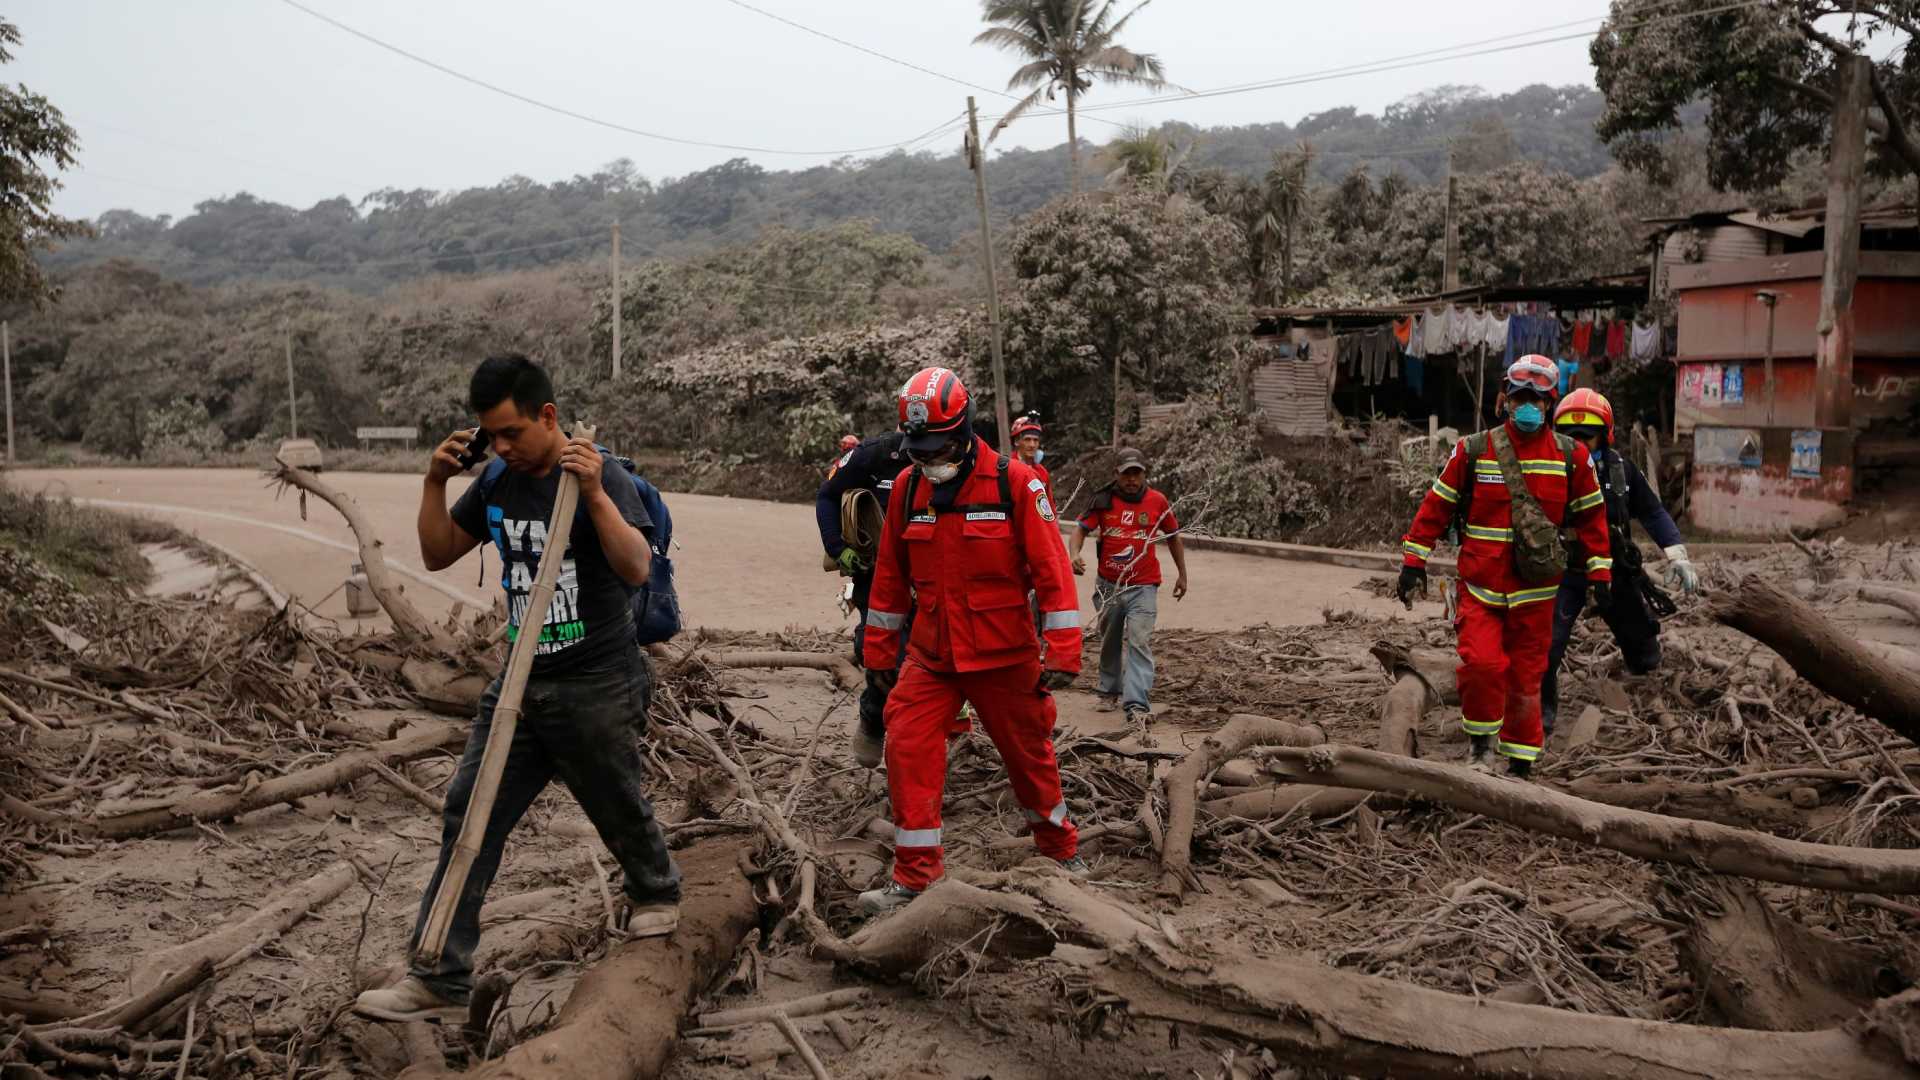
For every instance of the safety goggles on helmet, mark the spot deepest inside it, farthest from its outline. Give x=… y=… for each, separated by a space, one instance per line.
x=1536 y=374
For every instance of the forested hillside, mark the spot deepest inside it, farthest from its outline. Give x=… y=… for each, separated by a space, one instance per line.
x=366 y=241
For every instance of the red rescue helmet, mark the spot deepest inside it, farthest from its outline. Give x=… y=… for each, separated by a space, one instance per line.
x=1027 y=425
x=1536 y=373
x=934 y=407
x=848 y=442
x=1585 y=408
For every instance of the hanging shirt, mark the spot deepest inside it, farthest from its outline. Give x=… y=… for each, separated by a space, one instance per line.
x=1416 y=336
x=1617 y=340
x=1439 y=331
x=1466 y=330
x=1582 y=335
x=1494 y=332
x=1646 y=342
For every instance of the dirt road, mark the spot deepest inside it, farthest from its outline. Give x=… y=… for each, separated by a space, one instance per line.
x=742 y=564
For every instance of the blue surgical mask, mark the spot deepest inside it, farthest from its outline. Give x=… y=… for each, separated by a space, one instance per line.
x=1529 y=417
x=1039 y=456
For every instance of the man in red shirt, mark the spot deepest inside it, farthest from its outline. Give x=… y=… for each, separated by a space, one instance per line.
x=1027 y=433
x=1130 y=518
x=1505 y=622
x=968 y=534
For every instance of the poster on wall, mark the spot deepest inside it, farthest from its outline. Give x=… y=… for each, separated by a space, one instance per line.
x=1711 y=386
x=1727 y=447
x=1692 y=377
x=1806 y=454
x=1733 y=386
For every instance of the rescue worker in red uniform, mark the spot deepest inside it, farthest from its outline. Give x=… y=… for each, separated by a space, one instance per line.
x=968 y=534
x=1505 y=623
x=1027 y=434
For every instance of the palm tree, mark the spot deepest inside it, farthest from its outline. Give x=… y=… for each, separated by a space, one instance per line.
x=1148 y=159
x=1284 y=195
x=1067 y=44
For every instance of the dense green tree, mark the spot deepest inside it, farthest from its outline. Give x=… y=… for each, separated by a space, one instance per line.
x=1767 y=74
x=34 y=136
x=1066 y=44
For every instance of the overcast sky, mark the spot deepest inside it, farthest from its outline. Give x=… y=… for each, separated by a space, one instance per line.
x=181 y=100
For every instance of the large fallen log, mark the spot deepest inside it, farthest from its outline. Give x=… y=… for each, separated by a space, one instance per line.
x=623 y=1017
x=408 y=622
x=219 y=805
x=1705 y=802
x=1823 y=653
x=1706 y=845
x=1242 y=732
x=1361 y=1024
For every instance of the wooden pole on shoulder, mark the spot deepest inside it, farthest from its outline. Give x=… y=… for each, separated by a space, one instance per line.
x=506 y=717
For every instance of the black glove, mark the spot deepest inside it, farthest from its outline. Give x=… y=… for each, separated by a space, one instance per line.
x=1411 y=578
x=1600 y=595
x=883 y=680
x=1055 y=680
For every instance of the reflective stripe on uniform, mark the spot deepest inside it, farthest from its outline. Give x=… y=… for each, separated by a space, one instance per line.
x=1520 y=751
x=1480 y=727
x=1487 y=596
x=1532 y=596
x=1441 y=489
x=1412 y=548
x=1060 y=620
x=1599 y=562
x=1543 y=466
x=1490 y=532
x=1057 y=815
x=916 y=838
x=1585 y=502
x=886 y=620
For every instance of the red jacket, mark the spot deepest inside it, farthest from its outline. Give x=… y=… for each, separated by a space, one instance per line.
x=1567 y=490
x=967 y=570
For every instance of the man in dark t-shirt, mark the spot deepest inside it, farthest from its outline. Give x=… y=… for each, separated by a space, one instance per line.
x=590 y=684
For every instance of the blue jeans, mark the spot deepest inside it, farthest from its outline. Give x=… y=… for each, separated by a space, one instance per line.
x=1126 y=640
x=581 y=727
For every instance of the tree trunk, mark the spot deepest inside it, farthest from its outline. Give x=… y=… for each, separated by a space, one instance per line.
x=1823 y=653
x=623 y=1017
x=1073 y=133
x=1242 y=732
x=1351 y=1024
x=1704 y=845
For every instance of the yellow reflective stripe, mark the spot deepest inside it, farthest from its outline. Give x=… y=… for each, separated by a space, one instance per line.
x=1544 y=470
x=1486 y=596
x=1581 y=419
x=1599 y=562
x=1490 y=532
x=1585 y=502
x=1480 y=727
x=1441 y=489
x=1520 y=751
x=1412 y=548
x=1532 y=596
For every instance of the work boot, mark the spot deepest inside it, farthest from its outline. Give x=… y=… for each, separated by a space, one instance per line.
x=408 y=999
x=1480 y=757
x=1107 y=703
x=1076 y=866
x=869 y=747
x=1519 y=768
x=647 y=920
x=892 y=897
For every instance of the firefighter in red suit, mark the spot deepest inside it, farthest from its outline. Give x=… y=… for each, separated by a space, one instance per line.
x=968 y=534
x=1505 y=624
x=1027 y=434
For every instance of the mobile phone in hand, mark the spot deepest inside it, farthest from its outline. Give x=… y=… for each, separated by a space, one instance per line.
x=476 y=451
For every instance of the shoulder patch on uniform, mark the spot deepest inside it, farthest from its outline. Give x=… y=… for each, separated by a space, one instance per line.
x=1035 y=485
x=1040 y=502
x=844 y=458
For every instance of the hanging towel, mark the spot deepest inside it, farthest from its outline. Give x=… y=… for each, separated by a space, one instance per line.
x=1582 y=334
x=1402 y=330
x=1646 y=342
x=1568 y=369
x=1617 y=340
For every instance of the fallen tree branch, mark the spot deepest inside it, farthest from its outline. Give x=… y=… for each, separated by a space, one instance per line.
x=1823 y=653
x=623 y=1017
x=800 y=1046
x=1702 y=802
x=1881 y=593
x=408 y=622
x=215 y=806
x=1365 y=1025
x=845 y=675
x=1242 y=732
x=811 y=1005
x=235 y=941
x=1701 y=844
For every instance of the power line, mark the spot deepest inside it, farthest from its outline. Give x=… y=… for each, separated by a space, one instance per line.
x=1409 y=60
x=892 y=59
x=571 y=113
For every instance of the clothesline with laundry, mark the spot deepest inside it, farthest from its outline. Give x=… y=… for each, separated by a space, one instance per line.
x=1397 y=349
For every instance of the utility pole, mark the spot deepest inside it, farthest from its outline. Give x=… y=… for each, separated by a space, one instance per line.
x=1833 y=348
x=293 y=395
x=616 y=298
x=1450 y=258
x=6 y=358
x=976 y=159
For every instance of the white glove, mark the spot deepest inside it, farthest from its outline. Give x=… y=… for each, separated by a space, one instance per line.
x=1680 y=572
